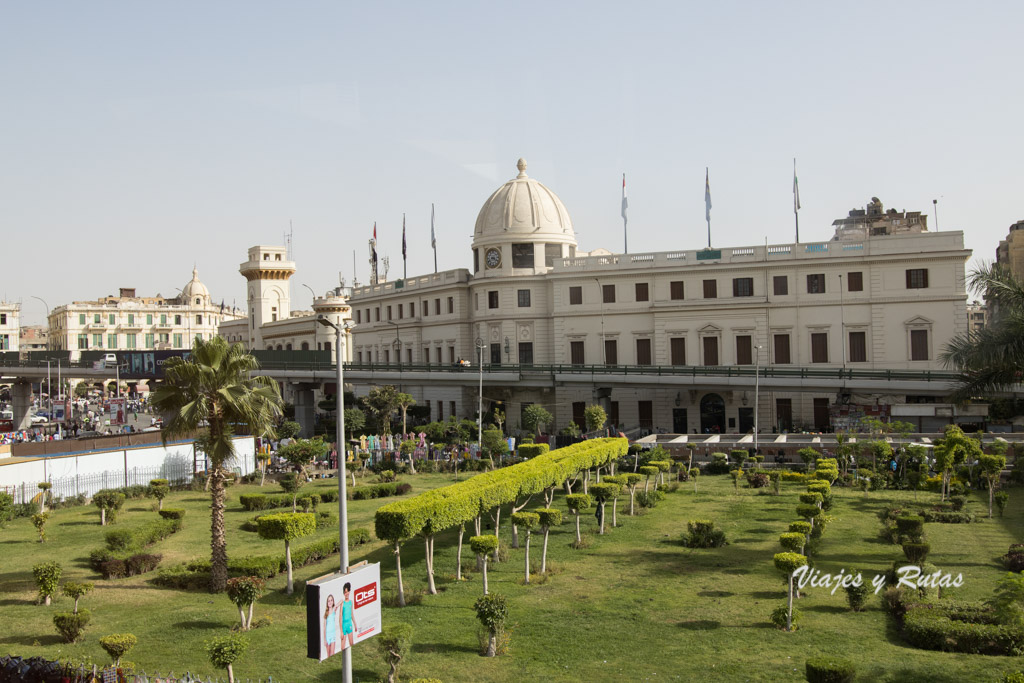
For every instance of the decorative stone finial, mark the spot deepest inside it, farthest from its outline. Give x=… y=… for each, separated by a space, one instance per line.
x=521 y=165
x=195 y=272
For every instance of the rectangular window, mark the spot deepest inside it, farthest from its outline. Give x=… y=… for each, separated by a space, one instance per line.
x=389 y=312
x=642 y=292
x=111 y=318
x=165 y=338
x=552 y=252
x=177 y=320
x=3 y=318
x=81 y=319
x=816 y=283
x=611 y=352
x=111 y=341
x=199 y=320
x=575 y=296
x=676 y=290
x=97 y=341
x=522 y=256
x=451 y=407
x=387 y=356
x=917 y=278
x=437 y=307
x=711 y=289
x=919 y=345
x=677 y=349
x=613 y=413
x=608 y=293
x=149 y=340
x=401 y=311
x=643 y=352
x=576 y=356
x=412 y=309
x=819 y=347
x=858 y=347
x=359 y=317
x=437 y=354
x=784 y=414
x=376 y=314
x=855 y=282
x=163 y=318
x=131 y=318
x=426 y=355
x=495 y=354
x=96 y=318
x=476 y=260
x=524 y=298
x=5 y=340
x=451 y=304
x=780 y=284
x=645 y=411
x=492 y=299
x=579 y=413
x=743 y=286
x=149 y=318
x=177 y=340
x=744 y=348
x=782 y=349
x=129 y=341
x=451 y=354
x=83 y=341
x=526 y=353
x=710 y=350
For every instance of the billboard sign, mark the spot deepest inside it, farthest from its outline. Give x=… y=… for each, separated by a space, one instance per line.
x=342 y=610
x=117 y=406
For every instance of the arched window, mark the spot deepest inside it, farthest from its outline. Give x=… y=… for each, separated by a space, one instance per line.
x=288 y=346
x=198 y=301
x=305 y=346
x=712 y=414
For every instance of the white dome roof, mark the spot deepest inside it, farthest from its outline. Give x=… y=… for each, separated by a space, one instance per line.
x=523 y=207
x=194 y=288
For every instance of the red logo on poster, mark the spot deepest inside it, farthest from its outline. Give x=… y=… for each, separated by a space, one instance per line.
x=365 y=595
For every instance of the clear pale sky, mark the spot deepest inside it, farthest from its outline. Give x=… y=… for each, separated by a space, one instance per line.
x=139 y=138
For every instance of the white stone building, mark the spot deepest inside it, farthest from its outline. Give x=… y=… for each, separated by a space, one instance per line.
x=10 y=331
x=129 y=323
x=881 y=294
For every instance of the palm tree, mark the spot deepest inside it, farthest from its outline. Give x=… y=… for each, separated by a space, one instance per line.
x=215 y=385
x=990 y=359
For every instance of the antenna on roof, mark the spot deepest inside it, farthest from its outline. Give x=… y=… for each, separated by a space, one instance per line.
x=288 y=241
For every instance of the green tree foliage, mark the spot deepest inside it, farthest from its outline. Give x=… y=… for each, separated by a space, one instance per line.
x=216 y=385
x=39 y=522
x=76 y=591
x=808 y=455
x=109 y=502
x=292 y=483
x=289 y=429
x=547 y=518
x=300 y=453
x=71 y=625
x=483 y=546
x=355 y=420
x=991 y=469
x=404 y=402
x=47 y=576
x=535 y=416
x=953 y=450
x=577 y=504
x=381 y=403
x=159 y=488
x=989 y=360
x=595 y=417
x=117 y=645
x=6 y=508
x=602 y=493
x=244 y=591
x=494 y=443
x=492 y=611
x=224 y=651
x=287 y=526
x=1008 y=601
x=787 y=563
x=393 y=644
x=527 y=521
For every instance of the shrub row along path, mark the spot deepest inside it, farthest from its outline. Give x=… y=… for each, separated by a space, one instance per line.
x=635 y=605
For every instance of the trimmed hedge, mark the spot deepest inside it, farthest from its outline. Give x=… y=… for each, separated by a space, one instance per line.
x=122 y=557
x=172 y=513
x=960 y=627
x=532 y=450
x=439 y=509
x=947 y=517
x=829 y=670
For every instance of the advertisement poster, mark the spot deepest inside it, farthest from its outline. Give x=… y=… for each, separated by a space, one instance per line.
x=117 y=411
x=342 y=610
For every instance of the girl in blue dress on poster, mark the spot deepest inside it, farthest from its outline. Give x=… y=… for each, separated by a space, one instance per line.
x=331 y=627
x=348 y=624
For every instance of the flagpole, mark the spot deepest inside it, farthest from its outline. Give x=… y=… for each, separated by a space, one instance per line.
x=625 y=222
x=707 y=202
x=796 y=203
x=433 y=240
x=404 y=273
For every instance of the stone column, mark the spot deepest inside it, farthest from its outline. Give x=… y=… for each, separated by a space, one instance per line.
x=305 y=408
x=21 y=404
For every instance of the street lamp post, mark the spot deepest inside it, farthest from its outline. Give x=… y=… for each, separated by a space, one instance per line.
x=480 y=399
x=346 y=654
x=757 y=392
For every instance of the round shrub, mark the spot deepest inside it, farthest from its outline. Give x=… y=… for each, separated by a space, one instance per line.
x=856 y=596
x=811 y=498
x=47 y=576
x=793 y=541
x=482 y=545
x=117 y=645
x=577 y=502
x=71 y=625
x=916 y=552
x=225 y=650
x=172 y=513
x=911 y=527
x=701 y=533
x=787 y=563
x=808 y=511
x=800 y=527
x=829 y=670
x=780 y=614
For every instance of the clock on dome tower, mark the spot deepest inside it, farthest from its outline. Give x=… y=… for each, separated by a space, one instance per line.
x=493 y=257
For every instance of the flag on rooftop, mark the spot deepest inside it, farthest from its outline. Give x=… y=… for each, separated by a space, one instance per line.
x=625 y=201
x=707 y=195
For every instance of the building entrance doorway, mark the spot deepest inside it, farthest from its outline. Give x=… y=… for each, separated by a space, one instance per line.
x=712 y=414
x=746 y=416
x=679 y=420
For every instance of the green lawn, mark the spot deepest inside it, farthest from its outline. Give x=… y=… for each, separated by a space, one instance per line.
x=635 y=605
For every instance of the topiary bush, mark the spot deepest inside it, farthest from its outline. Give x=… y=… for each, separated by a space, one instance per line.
x=960 y=627
x=910 y=527
x=117 y=645
x=916 y=552
x=287 y=526
x=244 y=591
x=829 y=670
x=76 y=591
x=393 y=644
x=47 y=576
x=109 y=502
x=224 y=651
x=492 y=611
x=758 y=479
x=173 y=513
x=71 y=625
x=780 y=617
x=793 y=541
x=856 y=596
x=701 y=533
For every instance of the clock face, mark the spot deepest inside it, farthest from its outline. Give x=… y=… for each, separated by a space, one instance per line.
x=493 y=258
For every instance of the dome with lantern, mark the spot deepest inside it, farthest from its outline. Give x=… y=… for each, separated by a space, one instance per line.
x=195 y=293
